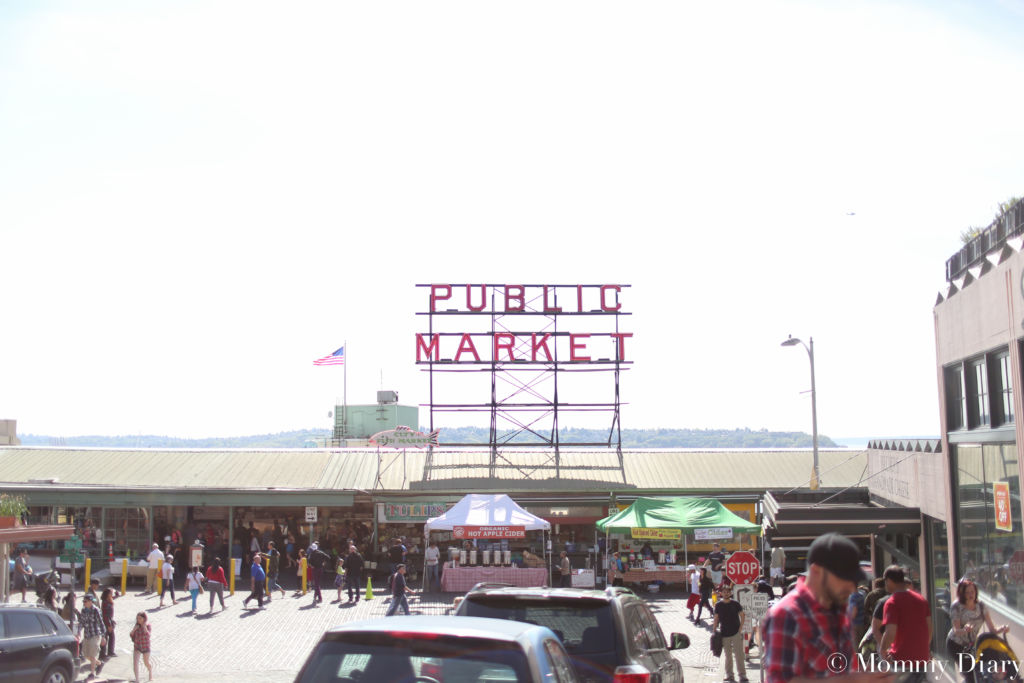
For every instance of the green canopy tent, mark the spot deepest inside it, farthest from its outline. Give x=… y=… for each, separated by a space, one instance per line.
x=685 y=514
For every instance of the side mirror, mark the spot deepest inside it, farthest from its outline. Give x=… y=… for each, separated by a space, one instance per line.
x=680 y=641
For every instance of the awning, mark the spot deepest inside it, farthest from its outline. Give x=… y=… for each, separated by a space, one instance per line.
x=31 y=534
x=687 y=514
x=806 y=519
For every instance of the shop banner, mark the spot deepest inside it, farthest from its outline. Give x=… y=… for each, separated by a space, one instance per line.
x=409 y=512
x=711 y=534
x=1001 y=497
x=655 y=534
x=489 y=532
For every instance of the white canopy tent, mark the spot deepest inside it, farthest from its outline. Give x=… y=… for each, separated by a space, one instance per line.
x=490 y=510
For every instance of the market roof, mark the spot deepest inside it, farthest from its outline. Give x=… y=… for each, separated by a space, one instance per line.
x=347 y=470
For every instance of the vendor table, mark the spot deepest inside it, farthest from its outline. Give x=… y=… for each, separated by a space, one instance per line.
x=650 y=575
x=460 y=579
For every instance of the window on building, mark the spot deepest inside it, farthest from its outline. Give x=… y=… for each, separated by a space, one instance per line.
x=956 y=398
x=1004 y=401
x=989 y=521
x=977 y=393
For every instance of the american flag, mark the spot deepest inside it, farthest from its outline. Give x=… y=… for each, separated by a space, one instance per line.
x=336 y=358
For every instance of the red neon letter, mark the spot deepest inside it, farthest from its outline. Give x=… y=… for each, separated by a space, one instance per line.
x=519 y=297
x=579 y=298
x=574 y=347
x=466 y=345
x=434 y=347
x=606 y=288
x=503 y=340
x=483 y=298
x=550 y=309
x=621 y=342
x=434 y=298
x=542 y=345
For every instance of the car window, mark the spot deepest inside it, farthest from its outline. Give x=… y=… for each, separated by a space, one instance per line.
x=654 y=635
x=583 y=626
x=378 y=658
x=559 y=663
x=23 y=625
x=636 y=632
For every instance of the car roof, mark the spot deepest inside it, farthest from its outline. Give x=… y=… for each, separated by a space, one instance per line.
x=474 y=627
x=606 y=595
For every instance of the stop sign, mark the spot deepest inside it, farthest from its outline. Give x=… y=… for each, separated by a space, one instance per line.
x=742 y=567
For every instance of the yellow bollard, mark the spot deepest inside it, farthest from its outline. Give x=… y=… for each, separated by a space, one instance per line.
x=232 y=570
x=124 y=576
x=302 y=570
x=88 y=570
x=160 y=577
x=369 y=589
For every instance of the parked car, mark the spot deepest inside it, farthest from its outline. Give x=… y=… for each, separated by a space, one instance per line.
x=610 y=635
x=431 y=649
x=36 y=645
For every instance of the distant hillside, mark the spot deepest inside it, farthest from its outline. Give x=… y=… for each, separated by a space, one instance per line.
x=631 y=438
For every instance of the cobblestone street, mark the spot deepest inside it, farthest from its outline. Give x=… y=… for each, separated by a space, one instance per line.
x=270 y=645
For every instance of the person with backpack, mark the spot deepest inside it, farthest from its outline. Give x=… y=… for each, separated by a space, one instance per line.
x=353 y=573
x=317 y=560
x=273 y=569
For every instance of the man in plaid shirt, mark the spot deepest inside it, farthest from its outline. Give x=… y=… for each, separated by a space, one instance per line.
x=807 y=634
x=91 y=628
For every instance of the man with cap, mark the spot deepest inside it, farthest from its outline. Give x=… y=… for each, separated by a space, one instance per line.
x=908 y=624
x=154 y=558
x=807 y=634
x=717 y=559
x=91 y=630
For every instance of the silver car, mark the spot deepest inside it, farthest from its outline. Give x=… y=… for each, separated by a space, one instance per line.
x=430 y=649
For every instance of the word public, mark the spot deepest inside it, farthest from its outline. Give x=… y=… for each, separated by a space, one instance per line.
x=523 y=300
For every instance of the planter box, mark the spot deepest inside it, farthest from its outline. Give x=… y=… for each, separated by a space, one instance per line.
x=9 y=522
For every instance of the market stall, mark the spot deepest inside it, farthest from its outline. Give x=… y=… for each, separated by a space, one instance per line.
x=662 y=524
x=487 y=532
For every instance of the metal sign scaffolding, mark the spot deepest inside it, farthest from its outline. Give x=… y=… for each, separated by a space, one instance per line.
x=531 y=377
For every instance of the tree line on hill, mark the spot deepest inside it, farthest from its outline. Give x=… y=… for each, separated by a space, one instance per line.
x=631 y=438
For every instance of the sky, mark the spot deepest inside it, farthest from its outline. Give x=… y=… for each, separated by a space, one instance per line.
x=198 y=199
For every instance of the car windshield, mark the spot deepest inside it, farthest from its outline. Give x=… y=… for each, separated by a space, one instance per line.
x=361 y=657
x=583 y=626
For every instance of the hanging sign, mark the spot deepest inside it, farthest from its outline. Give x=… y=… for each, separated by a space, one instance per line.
x=655 y=534
x=1001 y=498
x=468 y=532
x=712 y=534
x=311 y=514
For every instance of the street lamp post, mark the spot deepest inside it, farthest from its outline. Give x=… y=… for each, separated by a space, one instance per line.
x=793 y=341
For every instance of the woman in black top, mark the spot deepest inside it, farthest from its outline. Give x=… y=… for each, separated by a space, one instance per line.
x=706 y=586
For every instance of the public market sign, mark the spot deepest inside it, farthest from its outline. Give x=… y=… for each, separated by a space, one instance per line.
x=410 y=512
x=470 y=532
x=524 y=346
x=712 y=534
x=655 y=534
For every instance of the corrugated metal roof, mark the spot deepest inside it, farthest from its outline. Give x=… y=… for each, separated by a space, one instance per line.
x=347 y=469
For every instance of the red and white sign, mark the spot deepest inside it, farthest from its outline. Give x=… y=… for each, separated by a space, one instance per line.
x=742 y=567
x=469 y=532
x=1017 y=567
x=1001 y=498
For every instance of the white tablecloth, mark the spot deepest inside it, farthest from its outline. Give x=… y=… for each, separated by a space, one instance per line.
x=461 y=579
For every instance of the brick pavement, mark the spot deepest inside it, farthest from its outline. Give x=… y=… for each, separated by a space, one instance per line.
x=270 y=645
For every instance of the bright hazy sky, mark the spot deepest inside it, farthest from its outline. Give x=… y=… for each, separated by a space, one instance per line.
x=199 y=199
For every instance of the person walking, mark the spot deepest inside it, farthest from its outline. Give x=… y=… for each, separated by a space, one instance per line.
x=154 y=558
x=908 y=626
x=316 y=559
x=777 y=567
x=432 y=558
x=339 y=576
x=729 y=614
x=565 y=570
x=259 y=582
x=215 y=582
x=969 y=617
x=398 y=590
x=353 y=573
x=22 y=572
x=90 y=630
x=141 y=637
x=167 y=575
x=807 y=634
x=694 y=577
x=107 y=611
x=194 y=584
x=717 y=559
x=274 y=570
x=704 y=587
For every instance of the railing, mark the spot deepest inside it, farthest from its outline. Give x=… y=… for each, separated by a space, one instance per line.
x=1010 y=224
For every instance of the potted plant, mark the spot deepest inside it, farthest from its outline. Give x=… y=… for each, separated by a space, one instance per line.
x=11 y=510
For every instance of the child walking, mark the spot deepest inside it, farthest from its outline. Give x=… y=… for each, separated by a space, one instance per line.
x=140 y=636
